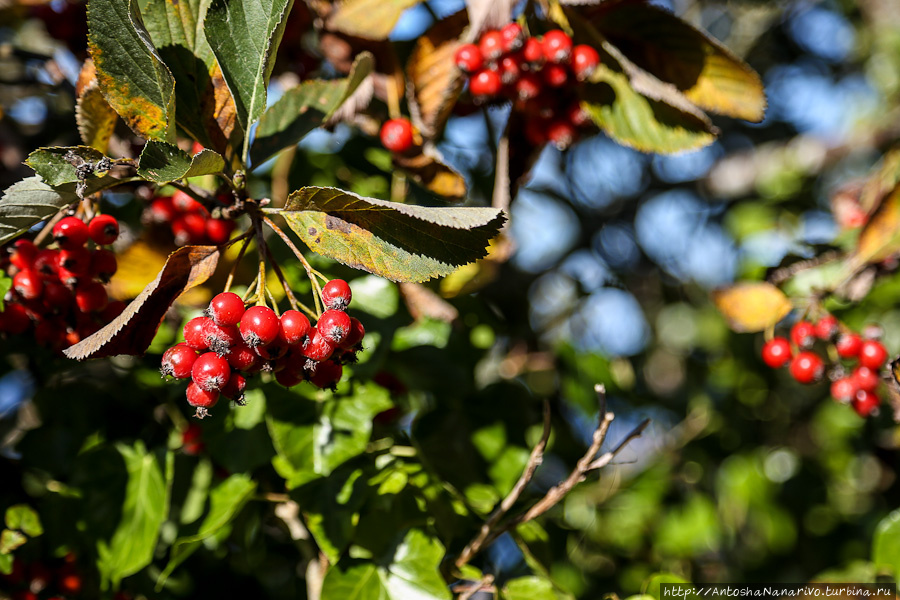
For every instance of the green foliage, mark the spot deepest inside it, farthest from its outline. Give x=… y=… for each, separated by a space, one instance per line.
x=163 y=163
x=886 y=544
x=28 y=202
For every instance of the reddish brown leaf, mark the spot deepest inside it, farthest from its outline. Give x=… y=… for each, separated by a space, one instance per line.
x=880 y=238
x=428 y=170
x=134 y=329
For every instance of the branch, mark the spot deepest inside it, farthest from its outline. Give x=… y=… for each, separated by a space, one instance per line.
x=486 y=584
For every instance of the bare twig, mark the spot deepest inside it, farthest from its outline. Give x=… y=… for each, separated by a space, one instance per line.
x=604 y=459
x=237 y=260
x=486 y=583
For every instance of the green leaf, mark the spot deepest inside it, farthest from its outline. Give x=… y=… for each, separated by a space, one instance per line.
x=370 y=19
x=886 y=544
x=6 y=564
x=244 y=35
x=529 y=588
x=56 y=164
x=5 y=286
x=25 y=519
x=10 y=540
x=130 y=72
x=353 y=580
x=143 y=512
x=331 y=506
x=305 y=107
x=225 y=501
x=400 y=242
x=162 y=163
x=313 y=438
x=653 y=589
x=27 y=203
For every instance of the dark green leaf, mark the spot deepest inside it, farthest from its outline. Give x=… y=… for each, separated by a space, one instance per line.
x=130 y=72
x=529 y=588
x=244 y=35
x=305 y=107
x=5 y=286
x=886 y=544
x=332 y=506
x=6 y=564
x=400 y=242
x=162 y=163
x=370 y=19
x=27 y=203
x=10 y=540
x=56 y=165
x=25 y=519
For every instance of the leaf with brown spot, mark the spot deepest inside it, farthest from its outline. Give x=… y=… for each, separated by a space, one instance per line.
x=880 y=238
x=400 y=242
x=428 y=170
x=133 y=330
x=370 y=19
x=95 y=118
x=752 y=306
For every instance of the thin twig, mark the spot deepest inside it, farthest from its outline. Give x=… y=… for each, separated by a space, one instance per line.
x=310 y=272
x=485 y=583
x=604 y=459
x=295 y=304
x=237 y=260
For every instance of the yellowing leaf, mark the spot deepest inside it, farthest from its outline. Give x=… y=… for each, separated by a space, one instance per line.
x=370 y=19
x=95 y=118
x=752 y=306
x=880 y=238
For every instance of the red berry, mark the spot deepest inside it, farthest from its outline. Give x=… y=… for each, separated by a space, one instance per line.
x=326 y=374
x=91 y=296
x=468 y=58
x=807 y=367
x=355 y=336
x=533 y=51
x=22 y=254
x=397 y=135
x=185 y=203
x=28 y=284
x=510 y=69
x=219 y=230
x=103 y=264
x=14 y=319
x=259 y=326
x=336 y=294
x=47 y=262
x=189 y=228
x=776 y=352
x=103 y=229
x=491 y=45
x=294 y=326
x=577 y=115
x=57 y=297
x=865 y=378
x=195 y=333
x=68 y=580
x=334 y=325
x=866 y=403
x=872 y=354
x=202 y=399
x=274 y=350
x=219 y=338
x=485 y=83
x=234 y=388
x=178 y=361
x=803 y=334
x=289 y=377
x=528 y=86
x=848 y=345
x=584 y=61
x=317 y=347
x=844 y=389
x=161 y=210
x=242 y=357
x=192 y=440
x=513 y=37
x=555 y=75
x=210 y=371
x=561 y=133
x=557 y=46
x=826 y=327
x=75 y=260
x=226 y=309
x=70 y=232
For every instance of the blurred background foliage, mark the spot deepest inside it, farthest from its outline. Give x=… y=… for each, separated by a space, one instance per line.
x=743 y=475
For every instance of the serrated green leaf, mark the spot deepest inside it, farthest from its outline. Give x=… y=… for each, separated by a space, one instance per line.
x=10 y=540
x=370 y=19
x=143 y=512
x=54 y=166
x=27 y=203
x=886 y=544
x=400 y=242
x=305 y=107
x=161 y=163
x=25 y=519
x=529 y=588
x=244 y=36
x=130 y=72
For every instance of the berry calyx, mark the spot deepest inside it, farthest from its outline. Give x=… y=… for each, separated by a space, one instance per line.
x=202 y=399
x=557 y=46
x=70 y=232
x=803 y=334
x=468 y=58
x=226 y=309
x=397 y=135
x=585 y=60
x=103 y=229
x=210 y=371
x=259 y=326
x=807 y=367
x=221 y=338
x=776 y=352
x=336 y=294
x=872 y=354
x=178 y=361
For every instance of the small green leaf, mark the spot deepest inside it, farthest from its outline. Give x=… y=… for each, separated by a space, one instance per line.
x=5 y=286
x=56 y=164
x=529 y=588
x=653 y=589
x=131 y=74
x=400 y=242
x=305 y=107
x=162 y=163
x=27 y=203
x=6 y=564
x=25 y=519
x=10 y=540
x=886 y=544
x=370 y=19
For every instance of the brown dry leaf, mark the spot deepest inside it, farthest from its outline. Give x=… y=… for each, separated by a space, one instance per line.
x=422 y=302
x=473 y=277
x=881 y=182
x=752 y=306
x=428 y=170
x=95 y=118
x=488 y=14
x=133 y=330
x=880 y=238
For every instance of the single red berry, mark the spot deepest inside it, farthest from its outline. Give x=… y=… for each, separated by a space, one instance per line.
x=47 y=262
x=577 y=115
x=28 y=284
x=195 y=333
x=491 y=45
x=485 y=83
x=584 y=61
x=468 y=58
x=803 y=334
x=294 y=326
x=14 y=319
x=259 y=326
x=336 y=294
x=103 y=229
x=555 y=75
x=235 y=387
x=91 y=296
x=103 y=264
x=334 y=325
x=317 y=347
x=210 y=371
x=848 y=345
x=826 y=327
x=397 y=135
x=226 y=309
x=178 y=361
x=872 y=354
x=273 y=350
x=326 y=375
x=561 y=133
x=355 y=336
x=68 y=580
x=218 y=231
x=844 y=389
x=865 y=378
x=161 y=210
x=221 y=338
x=192 y=440
x=70 y=232
x=289 y=378
x=202 y=399
x=513 y=37
x=185 y=203
x=57 y=297
x=557 y=46
x=22 y=254
x=242 y=357
x=776 y=352
x=528 y=86
x=533 y=51
x=510 y=68
x=807 y=367
x=189 y=228
x=866 y=403
x=75 y=260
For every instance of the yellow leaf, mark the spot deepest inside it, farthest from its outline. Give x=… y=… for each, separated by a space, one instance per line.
x=752 y=306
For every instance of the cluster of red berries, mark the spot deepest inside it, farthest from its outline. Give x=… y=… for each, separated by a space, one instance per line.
x=855 y=377
x=54 y=581
x=60 y=290
x=232 y=342
x=189 y=220
x=534 y=73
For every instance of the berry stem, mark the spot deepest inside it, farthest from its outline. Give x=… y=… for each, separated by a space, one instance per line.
x=295 y=304
x=250 y=290
x=261 y=284
x=310 y=272
x=237 y=260
x=48 y=228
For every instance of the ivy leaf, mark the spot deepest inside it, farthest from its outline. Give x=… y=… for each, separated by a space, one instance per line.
x=305 y=107
x=161 y=163
x=25 y=519
x=400 y=242
x=95 y=118
x=143 y=512
x=332 y=506
x=369 y=19
x=886 y=544
x=133 y=330
x=27 y=203
x=244 y=35
x=131 y=74
x=752 y=306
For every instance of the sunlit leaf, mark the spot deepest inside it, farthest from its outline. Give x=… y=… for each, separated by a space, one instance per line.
x=880 y=237
x=429 y=171
x=161 y=163
x=529 y=588
x=25 y=519
x=95 y=118
x=10 y=540
x=370 y=19
x=752 y=306
x=27 y=203
x=886 y=544
x=57 y=165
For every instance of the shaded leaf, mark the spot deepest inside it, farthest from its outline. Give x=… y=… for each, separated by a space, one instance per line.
x=133 y=330
x=400 y=242
x=95 y=118
x=698 y=65
x=652 y=587
x=56 y=165
x=880 y=238
x=529 y=588
x=429 y=171
x=369 y=19
x=10 y=540
x=886 y=544
x=305 y=107
x=331 y=506
x=27 y=203
x=6 y=563
x=752 y=306
x=488 y=14
x=161 y=163
x=143 y=512
x=130 y=72
x=24 y=518
x=244 y=36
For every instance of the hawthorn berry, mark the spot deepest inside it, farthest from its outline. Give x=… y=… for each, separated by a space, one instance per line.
x=397 y=135
x=288 y=377
x=510 y=69
x=47 y=262
x=807 y=367
x=577 y=115
x=75 y=260
x=28 y=284
x=533 y=51
x=22 y=254
x=844 y=389
x=317 y=347
x=528 y=86
x=234 y=387
x=57 y=297
x=334 y=325
x=865 y=378
x=91 y=296
x=161 y=210
x=195 y=333
x=220 y=338
x=513 y=37
x=485 y=83
x=242 y=357
x=273 y=351
x=776 y=352
x=295 y=325
x=555 y=75
x=70 y=232
x=103 y=264
x=803 y=334
x=355 y=335
x=556 y=46
x=210 y=371
x=103 y=229
x=226 y=309
x=866 y=403
x=259 y=326
x=326 y=374
x=189 y=228
x=201 y=399
x=14 y=319
x=848 y=345
x=491 y=45
x=336 y=294
x=192 y=440
x=584 y=61
x=826 y=327
x=219 y=230
x=178 y=361
x=872 y=354
x=184 y=202
x=561 y=133
x=468 y=58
